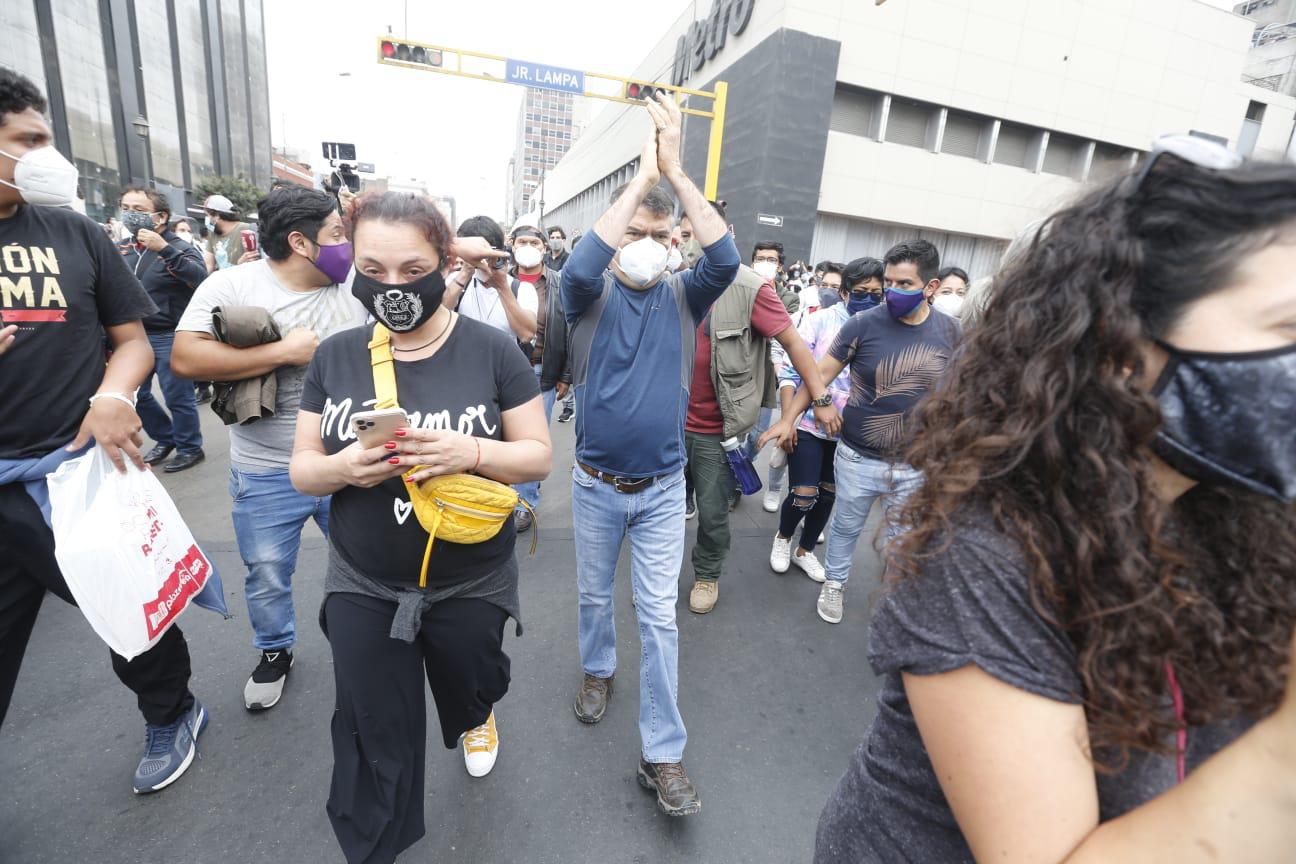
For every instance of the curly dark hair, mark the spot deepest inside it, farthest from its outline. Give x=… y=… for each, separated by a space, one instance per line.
x=1053 y=441
x=18 y=93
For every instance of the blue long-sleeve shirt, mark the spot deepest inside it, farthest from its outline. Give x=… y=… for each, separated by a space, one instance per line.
x=632 y=355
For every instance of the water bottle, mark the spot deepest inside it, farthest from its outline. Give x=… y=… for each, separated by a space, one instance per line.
x=741 y=466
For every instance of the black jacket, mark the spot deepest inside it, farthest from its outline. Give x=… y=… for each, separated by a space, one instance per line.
x=555 y=365
x=556 y=262
x=170 y=277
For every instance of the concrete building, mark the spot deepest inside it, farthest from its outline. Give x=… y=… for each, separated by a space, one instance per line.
x=852 y=126
x=544 y=135
x=1271 y=63
x=161 y=91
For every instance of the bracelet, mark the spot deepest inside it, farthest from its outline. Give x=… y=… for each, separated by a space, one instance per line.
x=478 y=462
x=120 y=397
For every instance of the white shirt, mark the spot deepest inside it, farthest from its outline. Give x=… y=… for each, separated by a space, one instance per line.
x=481 y=302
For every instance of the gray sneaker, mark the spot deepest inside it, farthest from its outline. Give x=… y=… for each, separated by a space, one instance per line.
x=830 y=602
x=264 y=689
x=169 y=750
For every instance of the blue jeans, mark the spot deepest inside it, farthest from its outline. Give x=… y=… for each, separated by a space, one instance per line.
x=268 y=518
x=181 y=429
x=861 y=480
x=654 y=521
x=530 y=492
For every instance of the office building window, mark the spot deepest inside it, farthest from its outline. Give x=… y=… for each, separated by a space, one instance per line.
x=1014 y=145
x=89 y=105
x=966 y=134
x=159 y=91
x=236 y=87
x=856 y=112
x=909 y=122
x=1064 y=155
x=258 y=88
x=22 y=50
x=193 y=80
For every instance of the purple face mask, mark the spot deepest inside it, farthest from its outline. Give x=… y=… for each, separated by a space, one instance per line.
x=901 y=302
x=334 y=261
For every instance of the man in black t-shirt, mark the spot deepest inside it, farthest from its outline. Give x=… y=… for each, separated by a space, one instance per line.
x=63 y=288
x=896 y=352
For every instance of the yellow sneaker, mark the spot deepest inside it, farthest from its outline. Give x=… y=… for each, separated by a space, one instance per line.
x=481 y=747
x=703 y=597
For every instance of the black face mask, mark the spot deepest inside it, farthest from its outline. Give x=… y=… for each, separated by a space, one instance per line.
x=1230 y=419
x=400 y=308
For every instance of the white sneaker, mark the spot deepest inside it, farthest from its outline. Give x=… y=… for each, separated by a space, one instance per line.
x=829 y=605
x=823 y=537
x=771 y=501
x=810 y=564
x=481 y=748
x=780 y=554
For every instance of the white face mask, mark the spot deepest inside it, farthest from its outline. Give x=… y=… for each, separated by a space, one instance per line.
x=527 y=256
x=766 y=269
x=950 y=304
x=643 y=261
x=674 y=259
x=42 y=176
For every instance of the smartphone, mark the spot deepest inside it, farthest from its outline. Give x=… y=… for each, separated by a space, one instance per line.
x=249 y=241
x=376 y=428
x=504 y=261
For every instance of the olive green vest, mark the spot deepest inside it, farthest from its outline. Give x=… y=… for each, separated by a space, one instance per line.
x=740 y=359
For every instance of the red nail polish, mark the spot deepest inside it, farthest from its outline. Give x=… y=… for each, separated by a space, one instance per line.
x=401 y=433
x=390 y=445
x=409 y=479
x=395 y=460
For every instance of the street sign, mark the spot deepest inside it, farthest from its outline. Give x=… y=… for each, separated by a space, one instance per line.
x=334 y=150
x=771 y=221
x=365 y=168
x=544 y=77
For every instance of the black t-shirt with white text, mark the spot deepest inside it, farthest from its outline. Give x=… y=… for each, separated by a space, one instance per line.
x=465 y=386
x=62 y=281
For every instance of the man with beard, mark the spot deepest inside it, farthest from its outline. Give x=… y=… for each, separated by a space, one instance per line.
x=298 y=282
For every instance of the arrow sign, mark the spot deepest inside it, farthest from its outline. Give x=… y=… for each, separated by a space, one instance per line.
x=767 y=219
x=544 y=77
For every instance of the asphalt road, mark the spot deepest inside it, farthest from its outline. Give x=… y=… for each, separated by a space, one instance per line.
x=775 y=700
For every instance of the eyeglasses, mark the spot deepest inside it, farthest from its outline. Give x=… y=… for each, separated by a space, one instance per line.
x=1197 y=151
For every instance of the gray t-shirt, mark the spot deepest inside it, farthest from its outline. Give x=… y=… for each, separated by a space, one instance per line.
x=266 y=445
x=971 y=605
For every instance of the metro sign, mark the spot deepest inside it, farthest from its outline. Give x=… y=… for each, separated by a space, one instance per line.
x=705 y=38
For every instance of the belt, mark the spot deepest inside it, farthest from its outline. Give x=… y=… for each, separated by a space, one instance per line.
x=628 y=485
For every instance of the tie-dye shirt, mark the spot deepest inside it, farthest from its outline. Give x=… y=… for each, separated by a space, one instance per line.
x=818 y=329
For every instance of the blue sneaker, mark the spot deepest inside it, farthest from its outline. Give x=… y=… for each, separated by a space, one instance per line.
x=168 y=750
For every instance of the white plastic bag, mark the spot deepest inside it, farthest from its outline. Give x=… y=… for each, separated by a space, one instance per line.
x=126 y=554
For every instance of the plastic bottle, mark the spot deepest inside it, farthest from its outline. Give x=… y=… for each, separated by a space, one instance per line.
x=741 y=466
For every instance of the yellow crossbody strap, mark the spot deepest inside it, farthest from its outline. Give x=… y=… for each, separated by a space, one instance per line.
x=384 y=370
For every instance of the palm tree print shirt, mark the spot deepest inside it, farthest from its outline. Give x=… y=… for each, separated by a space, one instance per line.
x=892 y=365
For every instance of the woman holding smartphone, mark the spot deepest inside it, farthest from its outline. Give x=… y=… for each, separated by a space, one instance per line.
x=473 y=406
x=1086 y=639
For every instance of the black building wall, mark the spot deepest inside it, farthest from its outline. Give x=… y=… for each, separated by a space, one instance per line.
x=776 y=137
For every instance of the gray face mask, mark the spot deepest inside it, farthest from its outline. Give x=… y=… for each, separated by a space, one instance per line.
x=134 y=222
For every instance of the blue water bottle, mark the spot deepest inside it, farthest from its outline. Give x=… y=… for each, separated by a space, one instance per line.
x=741 y=466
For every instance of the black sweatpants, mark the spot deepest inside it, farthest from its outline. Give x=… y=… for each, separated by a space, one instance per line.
x=379 y=722
x=159 y=677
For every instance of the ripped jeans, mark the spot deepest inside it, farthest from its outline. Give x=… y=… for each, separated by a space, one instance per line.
x=810 y=466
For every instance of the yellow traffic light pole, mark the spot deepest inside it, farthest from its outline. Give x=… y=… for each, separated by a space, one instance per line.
x=436 y=56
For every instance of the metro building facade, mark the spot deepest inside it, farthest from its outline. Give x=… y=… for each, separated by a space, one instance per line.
x=852 y=126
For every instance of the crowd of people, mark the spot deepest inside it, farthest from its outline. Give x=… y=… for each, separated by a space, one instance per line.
x=1085 y=468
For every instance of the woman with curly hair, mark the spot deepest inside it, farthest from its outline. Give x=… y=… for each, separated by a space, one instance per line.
x=1085 y=636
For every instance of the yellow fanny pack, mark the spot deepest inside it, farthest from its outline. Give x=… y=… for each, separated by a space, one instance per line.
x=457 y=508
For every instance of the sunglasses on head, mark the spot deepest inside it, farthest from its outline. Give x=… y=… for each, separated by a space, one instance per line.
x=1196 y=151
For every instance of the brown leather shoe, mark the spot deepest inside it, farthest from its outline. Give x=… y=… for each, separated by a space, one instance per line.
x=676 y=795
x=592 y=700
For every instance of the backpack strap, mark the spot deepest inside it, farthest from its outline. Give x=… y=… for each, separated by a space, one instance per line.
x=384 y=370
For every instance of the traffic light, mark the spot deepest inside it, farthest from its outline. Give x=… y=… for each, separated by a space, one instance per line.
x=643 y=92
x=409 y=52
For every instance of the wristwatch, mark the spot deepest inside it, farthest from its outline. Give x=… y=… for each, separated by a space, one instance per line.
x=823 y=401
